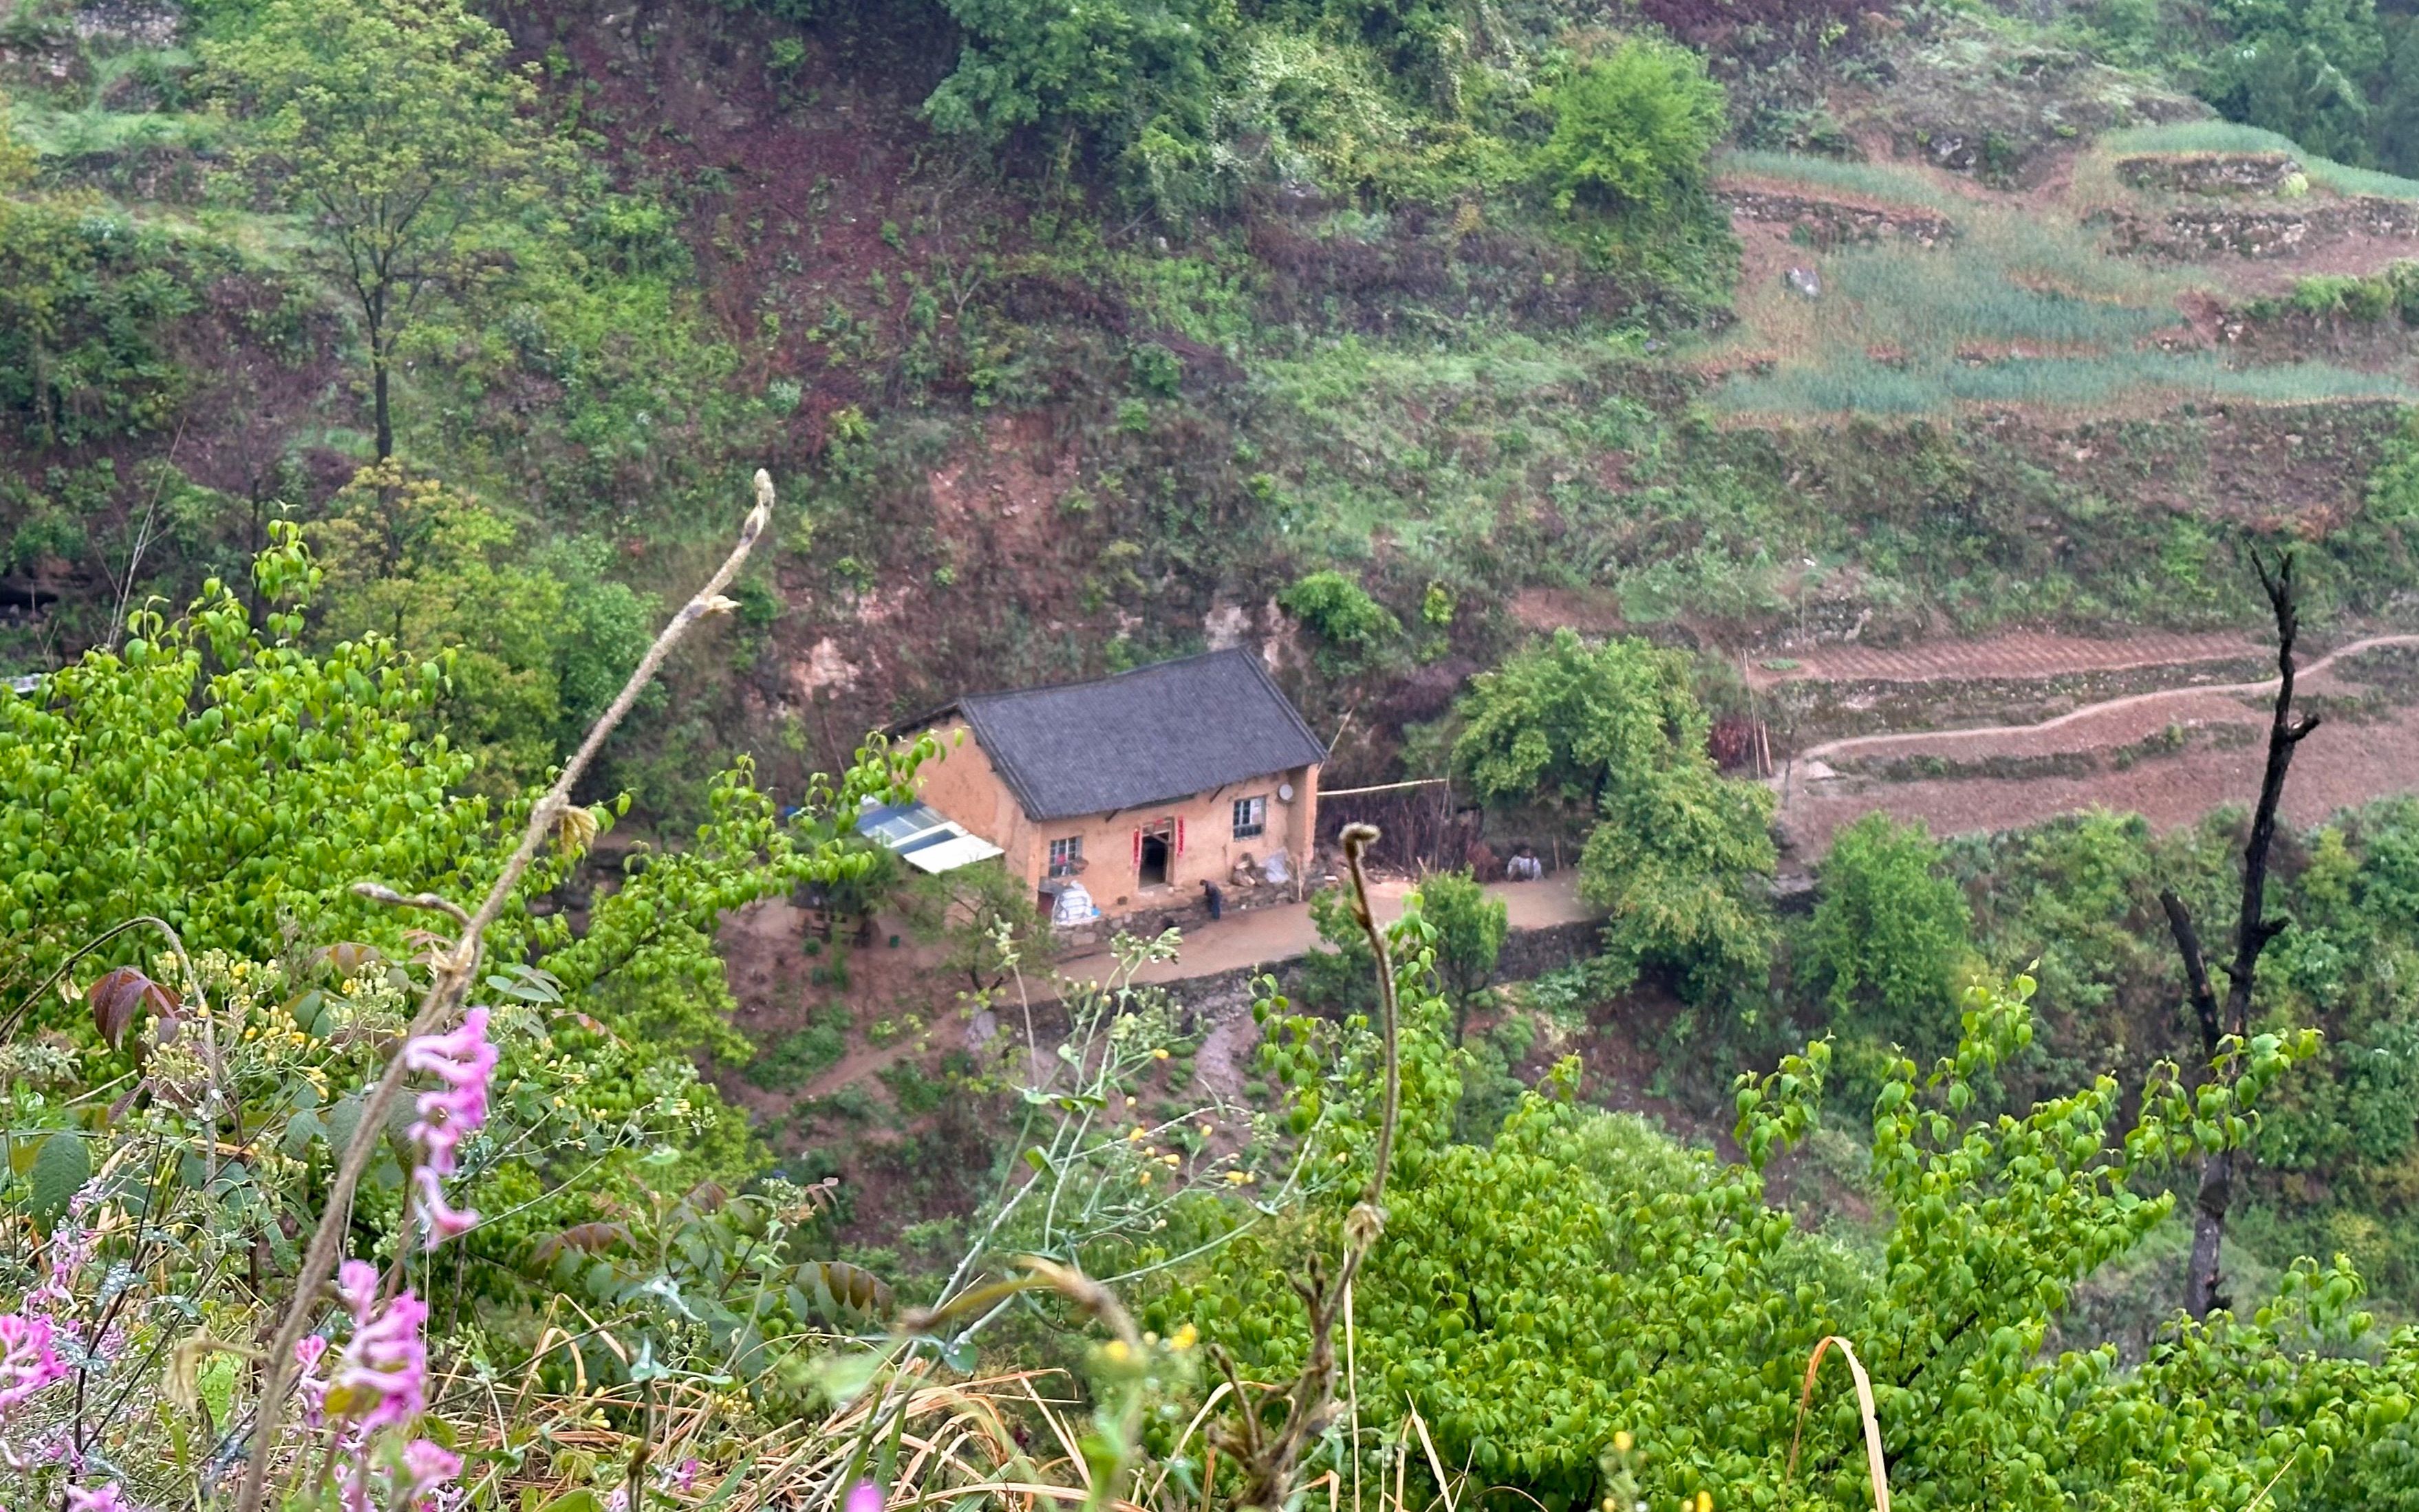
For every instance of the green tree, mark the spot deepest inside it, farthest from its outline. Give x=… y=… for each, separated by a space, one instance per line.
x=1679 y=855
x=216 y=774
x=2304 y=68
x=1682 y=864
x=1566 y=720
x=1890 y=933
x=536 y=654
x=1631 y=128
x=213 y=773
x=1584 y=1276
x=397 y=127
x=1132 y=79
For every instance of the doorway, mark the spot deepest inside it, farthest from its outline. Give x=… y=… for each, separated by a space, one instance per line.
x=1154 y=860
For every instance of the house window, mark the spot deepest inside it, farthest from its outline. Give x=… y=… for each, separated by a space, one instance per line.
x=1251 y=817
x=1066 y=855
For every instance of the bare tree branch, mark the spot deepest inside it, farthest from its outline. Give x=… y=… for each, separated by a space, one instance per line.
x=2253 y=930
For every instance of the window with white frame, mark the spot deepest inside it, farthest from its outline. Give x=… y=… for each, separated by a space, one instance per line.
x=1066 y=855
x=1251 y=817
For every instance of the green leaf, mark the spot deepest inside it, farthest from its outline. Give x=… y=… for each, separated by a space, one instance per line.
x=60 y=1171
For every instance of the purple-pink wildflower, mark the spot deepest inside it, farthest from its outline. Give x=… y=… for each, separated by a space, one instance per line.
x=308 y=1384
x=103 y=1497
x=864 y=1496
x=427 y=1465
x=28 y=1360
x=72 y=1248
x=382 y=1375
x=464 y=1061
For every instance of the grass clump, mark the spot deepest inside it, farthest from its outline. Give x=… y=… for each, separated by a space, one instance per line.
x=799 y=1056
x=1869 y=180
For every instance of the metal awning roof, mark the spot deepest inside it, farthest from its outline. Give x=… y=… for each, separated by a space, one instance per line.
x=923 y=838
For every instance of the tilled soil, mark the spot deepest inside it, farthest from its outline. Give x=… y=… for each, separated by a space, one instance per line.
x=2348 y=761
x=2029 y=654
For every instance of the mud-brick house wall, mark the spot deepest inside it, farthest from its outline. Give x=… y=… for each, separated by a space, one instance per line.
x=1139 y=786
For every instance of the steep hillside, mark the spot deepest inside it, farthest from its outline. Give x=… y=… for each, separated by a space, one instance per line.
x=1985 y=366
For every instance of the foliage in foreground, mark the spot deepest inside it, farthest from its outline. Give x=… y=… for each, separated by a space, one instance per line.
x=1582 y=1274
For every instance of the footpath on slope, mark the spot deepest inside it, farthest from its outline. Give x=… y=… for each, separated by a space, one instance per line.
x=2347 y=763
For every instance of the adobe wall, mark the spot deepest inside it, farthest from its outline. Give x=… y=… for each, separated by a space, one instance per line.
x=1209 y=849
x=963 y=786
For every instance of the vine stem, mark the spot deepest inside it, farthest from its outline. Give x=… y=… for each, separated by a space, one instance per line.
x=452 y=971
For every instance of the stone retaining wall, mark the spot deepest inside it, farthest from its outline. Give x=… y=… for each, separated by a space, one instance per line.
x=2267 y=232
x=1830 y=223
x=2211 y=172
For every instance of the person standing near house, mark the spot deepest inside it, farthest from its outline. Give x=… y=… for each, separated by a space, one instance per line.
x=1213 y=896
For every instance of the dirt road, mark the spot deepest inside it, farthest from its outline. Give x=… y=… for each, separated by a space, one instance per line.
x=1266 y=936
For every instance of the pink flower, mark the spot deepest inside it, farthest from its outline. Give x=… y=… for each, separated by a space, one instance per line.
x=28 y=1362
x=444 y=1223
x=71 y=1247
x=103 y=1499
x=308 y=1384
x=465 y=1062
x=682 y=1479
x=864 y=1496
x=383 y=1372
x=427 y=1465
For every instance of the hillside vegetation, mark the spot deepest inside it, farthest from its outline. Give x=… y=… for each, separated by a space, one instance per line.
x=476 y=481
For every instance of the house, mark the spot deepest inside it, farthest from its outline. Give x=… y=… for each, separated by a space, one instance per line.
x=1138 y=787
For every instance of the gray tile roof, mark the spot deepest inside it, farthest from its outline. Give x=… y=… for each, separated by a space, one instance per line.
x=1167 y=731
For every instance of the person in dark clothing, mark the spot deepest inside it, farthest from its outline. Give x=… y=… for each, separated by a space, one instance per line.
x=1215 y=898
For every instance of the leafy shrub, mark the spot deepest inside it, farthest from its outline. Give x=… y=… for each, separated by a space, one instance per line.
x=1584 y=1271
x=1631 y=128
x=87 y=300
x=1889 y=934
x=1352 y=626
x=1471 y=924
x=1136 y=77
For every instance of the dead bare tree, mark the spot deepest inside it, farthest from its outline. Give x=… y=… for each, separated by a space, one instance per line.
x=2253 y=931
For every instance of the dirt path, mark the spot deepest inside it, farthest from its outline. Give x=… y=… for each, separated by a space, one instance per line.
x=2346 y=764
x=2000 y=735
x=2342 y=765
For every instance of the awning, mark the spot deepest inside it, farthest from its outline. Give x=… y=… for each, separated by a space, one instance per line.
x=923 y=838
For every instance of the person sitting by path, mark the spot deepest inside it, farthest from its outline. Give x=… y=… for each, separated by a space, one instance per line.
x=1523 y=867
x=1212 y=895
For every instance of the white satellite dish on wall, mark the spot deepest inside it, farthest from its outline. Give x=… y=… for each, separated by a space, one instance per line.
x=1285 y=792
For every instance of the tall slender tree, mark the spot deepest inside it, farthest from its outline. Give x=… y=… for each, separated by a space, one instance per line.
x=397 y=128
x=2253 y=931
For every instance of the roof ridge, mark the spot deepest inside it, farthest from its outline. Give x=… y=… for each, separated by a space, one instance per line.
x=998 y=694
